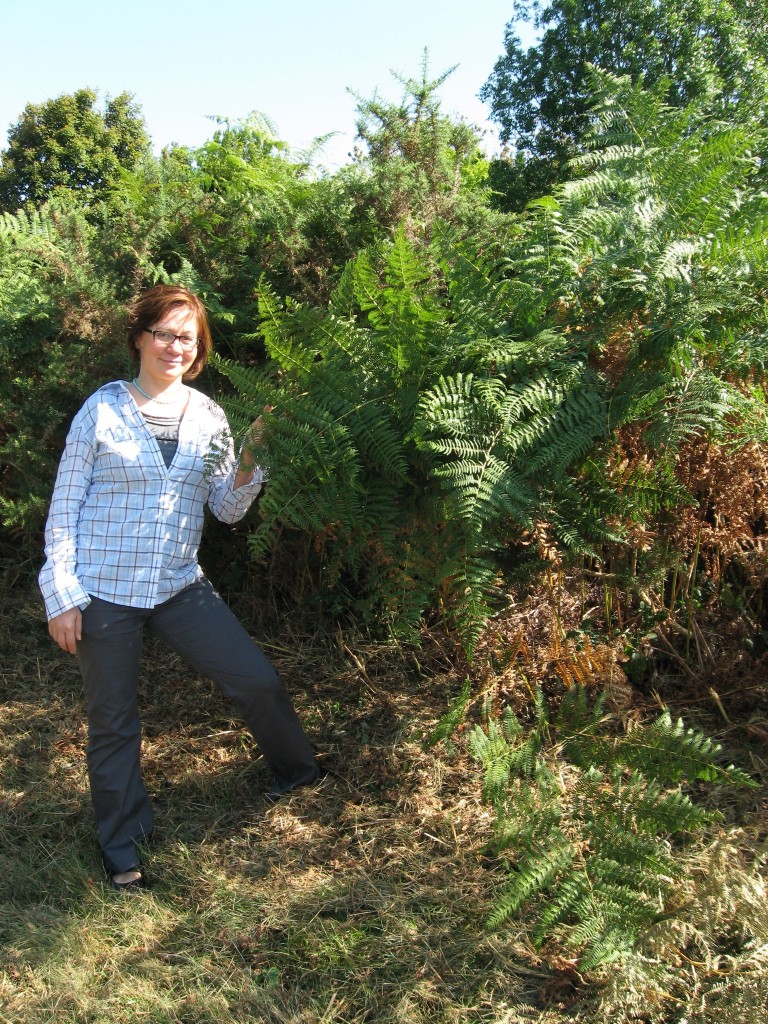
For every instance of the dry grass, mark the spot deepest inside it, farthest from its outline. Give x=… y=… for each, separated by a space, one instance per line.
x=361 y=899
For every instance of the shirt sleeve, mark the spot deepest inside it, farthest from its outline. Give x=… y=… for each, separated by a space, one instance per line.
x=227 y=503
x=59 y=584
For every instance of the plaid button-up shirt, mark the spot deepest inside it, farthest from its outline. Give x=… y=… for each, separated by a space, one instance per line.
x=124 y=527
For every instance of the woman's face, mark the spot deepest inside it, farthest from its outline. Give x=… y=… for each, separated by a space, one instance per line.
x=166 y=362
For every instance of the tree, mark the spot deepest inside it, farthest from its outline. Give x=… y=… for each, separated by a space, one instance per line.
x=67 y=143
x=424 y=164
x=540 y=95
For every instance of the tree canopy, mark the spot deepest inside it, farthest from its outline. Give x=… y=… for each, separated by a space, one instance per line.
x=540 y=95
x=67 y=142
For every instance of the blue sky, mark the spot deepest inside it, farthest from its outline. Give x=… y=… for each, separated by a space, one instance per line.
x=293 y=61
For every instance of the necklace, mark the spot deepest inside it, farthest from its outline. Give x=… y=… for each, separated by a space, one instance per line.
x=160 y=401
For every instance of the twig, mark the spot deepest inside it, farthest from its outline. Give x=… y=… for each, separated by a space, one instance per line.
x=361 y=669
x=669 y=649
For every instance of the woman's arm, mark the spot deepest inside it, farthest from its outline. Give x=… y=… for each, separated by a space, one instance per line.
x=61 y=589
x=235 y=483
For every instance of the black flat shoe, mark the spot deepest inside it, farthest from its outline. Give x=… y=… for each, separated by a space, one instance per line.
x=279 y=790
x=133 y=885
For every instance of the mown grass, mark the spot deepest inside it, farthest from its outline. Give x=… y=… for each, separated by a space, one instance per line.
x=361 y=899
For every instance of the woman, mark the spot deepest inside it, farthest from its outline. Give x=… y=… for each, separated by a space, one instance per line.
x=141 y=461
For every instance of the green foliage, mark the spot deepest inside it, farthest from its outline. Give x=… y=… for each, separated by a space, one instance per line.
x=113 y=220
x=507 y=441
x=345 y=386
x=654 y=263
x=57 y=335
x=463 y=395
x=454 y=716
x=254 y=195
x=449 y=406
x=541 y=97
x=425 y=167
x=594 y=843
x=423 y=423
x=67 y=269
x=66 y=143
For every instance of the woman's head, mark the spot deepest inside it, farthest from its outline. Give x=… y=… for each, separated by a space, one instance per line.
x=151 y=308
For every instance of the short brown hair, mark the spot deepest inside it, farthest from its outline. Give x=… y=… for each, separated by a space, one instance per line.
x=153 y=305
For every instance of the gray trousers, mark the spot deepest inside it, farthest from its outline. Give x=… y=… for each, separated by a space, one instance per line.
x=198 y=625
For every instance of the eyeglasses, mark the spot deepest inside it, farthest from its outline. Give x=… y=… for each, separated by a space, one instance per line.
x=168 y=337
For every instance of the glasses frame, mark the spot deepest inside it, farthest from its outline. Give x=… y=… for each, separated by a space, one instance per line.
x=187 y=346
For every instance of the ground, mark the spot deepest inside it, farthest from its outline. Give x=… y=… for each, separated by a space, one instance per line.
x=362 y=898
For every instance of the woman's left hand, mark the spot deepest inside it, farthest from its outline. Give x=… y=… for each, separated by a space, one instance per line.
x=252 y=440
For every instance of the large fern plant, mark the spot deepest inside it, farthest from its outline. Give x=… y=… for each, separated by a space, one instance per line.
x=656 y=257
x=422 y=422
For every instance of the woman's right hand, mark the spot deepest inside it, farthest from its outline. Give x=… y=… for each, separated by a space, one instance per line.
x=66 y=629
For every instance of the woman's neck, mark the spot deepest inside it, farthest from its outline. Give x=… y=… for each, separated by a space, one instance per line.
x=160 y=392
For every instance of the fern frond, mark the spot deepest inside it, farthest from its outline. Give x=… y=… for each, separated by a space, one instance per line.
x=701 y=404
x=674 y=752
x=492 y=751
x=530 y=816
x=611 y=946
x=25 y=224
x=655 y=808
x=474 y=579
x=632 y=850
x=529 y=878
x=453 y=717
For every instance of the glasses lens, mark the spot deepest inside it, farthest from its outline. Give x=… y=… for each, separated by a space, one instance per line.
x=166 y=338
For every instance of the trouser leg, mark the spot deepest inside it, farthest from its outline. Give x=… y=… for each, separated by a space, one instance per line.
x=109 y=655
x=200 y=627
